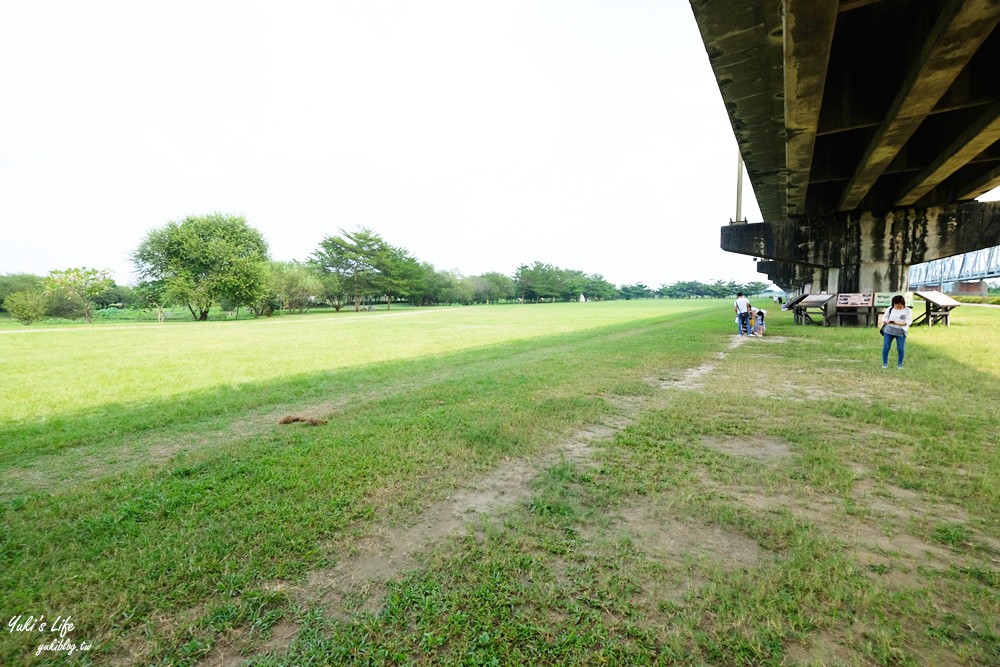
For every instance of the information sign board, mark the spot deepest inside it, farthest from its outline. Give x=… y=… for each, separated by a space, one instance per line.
x=848 y=300
x=884 y=299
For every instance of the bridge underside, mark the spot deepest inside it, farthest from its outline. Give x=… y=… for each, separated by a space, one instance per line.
x=867 y=127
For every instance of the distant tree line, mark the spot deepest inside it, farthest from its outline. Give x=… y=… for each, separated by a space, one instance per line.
x=219 y=260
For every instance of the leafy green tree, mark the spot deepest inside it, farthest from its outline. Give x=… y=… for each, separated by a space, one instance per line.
x=754 y=288
x=362 y=263
x=115 y=295
x=433 y=286
x=204 y=260
x=396 y=273
x=150 y=295
x=19 y=282
x=26 y=306
x=335 y=266
x=64 y=305
x=351 y=256
x=536 y=282
x=334 y=289
x=636 y=291
x=464 y=290
x=496 y=287
x=297 y=286
x=82 y=283
x=599 y=289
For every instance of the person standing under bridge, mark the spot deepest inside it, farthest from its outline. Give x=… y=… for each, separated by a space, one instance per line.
x=895 y=325
x=742 y=305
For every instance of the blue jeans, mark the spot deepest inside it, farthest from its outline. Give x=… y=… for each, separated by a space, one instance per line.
x=744 y=322
x=900 y=347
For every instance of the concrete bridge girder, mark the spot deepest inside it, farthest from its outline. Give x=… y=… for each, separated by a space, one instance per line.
x=864 y=251
x=864 y=125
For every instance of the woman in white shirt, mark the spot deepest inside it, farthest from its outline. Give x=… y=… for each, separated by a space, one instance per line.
x=895 y=325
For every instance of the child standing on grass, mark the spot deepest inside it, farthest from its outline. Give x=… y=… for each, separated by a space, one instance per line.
x=759 y=327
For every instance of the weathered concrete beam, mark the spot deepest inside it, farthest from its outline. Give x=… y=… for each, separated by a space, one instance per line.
x=787 y=276
x=808 y=34
x=872 y=250
x=744 y=45
x=977 y=137
x=984 y=184
x=848 y=5
x=960 y=29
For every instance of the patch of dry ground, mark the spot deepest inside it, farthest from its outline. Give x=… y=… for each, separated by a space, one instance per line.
x=763 y=449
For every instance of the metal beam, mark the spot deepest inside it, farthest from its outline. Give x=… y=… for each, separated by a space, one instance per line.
x=808 y=34
x=976 y=138
x=960 y=29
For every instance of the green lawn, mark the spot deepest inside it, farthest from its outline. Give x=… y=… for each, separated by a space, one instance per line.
x=647 y=493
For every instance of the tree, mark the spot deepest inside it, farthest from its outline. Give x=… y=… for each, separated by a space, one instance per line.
x=395 y=271
x=754 y=288
x=82 y=283
x=203 y=260
x=351 y=256
x=116 y=295
x=296 y=285
x=597 y=288
x=537 y=281
x=26 y=306
x=362 y=263
x=497 y=287
x=433 y=286
x=150 y=294
x=19 y=282
x=636 y=291
x=334 y=265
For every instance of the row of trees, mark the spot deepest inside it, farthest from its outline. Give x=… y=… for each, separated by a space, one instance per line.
x=70 y=292
x=203 y=261
x=692 y=289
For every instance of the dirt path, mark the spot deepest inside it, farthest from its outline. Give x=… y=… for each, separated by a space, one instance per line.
x=358 y=583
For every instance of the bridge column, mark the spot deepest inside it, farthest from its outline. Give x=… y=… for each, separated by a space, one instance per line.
x=871 y=251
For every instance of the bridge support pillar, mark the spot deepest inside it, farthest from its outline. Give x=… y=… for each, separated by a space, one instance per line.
x=864 y=251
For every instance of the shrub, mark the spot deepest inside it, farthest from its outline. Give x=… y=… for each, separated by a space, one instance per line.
x=26 y=306
x=994 y=300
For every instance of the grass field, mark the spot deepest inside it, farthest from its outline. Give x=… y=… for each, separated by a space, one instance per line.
x=605 y=483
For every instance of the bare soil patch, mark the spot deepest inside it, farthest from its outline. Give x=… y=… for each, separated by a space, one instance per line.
x=766 y=450
x=693 y=379
x=675 y=539
x=879 y=540
x=824 y=647
x=358 y=582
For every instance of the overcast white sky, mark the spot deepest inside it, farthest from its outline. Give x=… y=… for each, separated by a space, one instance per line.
x=477 y=134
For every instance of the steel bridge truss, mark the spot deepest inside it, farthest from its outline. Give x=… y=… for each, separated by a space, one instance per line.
x=979 y=265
